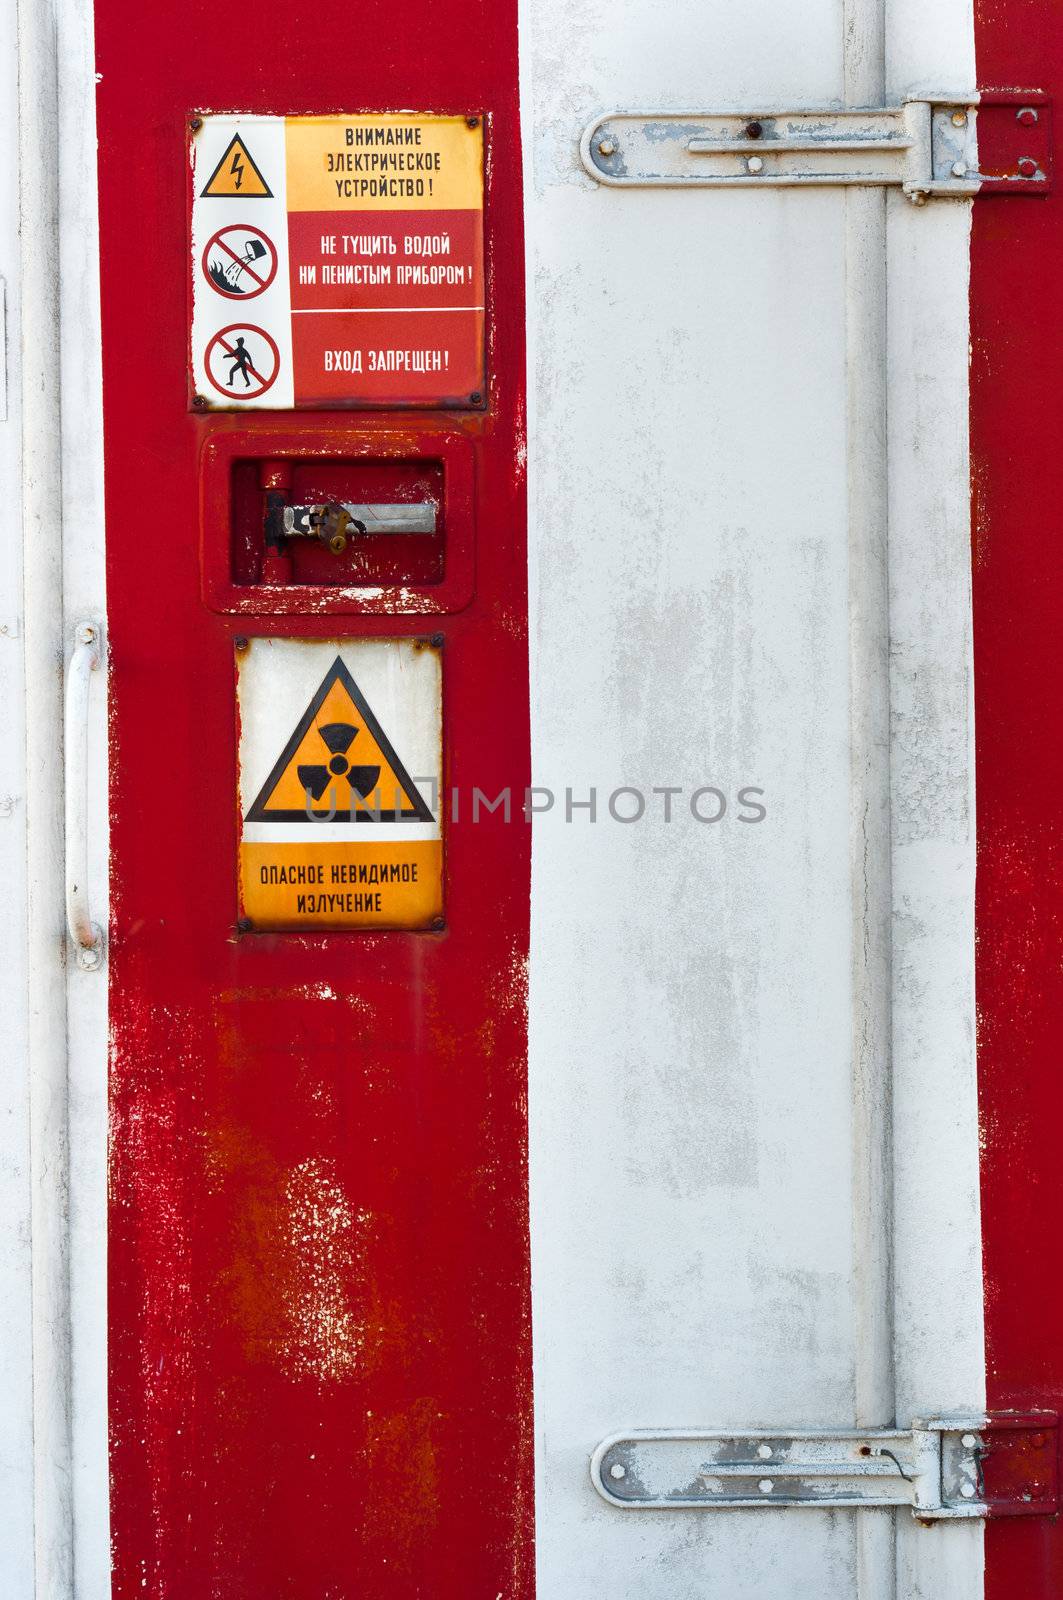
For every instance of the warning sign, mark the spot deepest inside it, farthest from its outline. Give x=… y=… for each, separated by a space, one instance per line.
x=236 y=176
x=240 y=262
x=372 y=281
x=242 y=360
x=339 y=784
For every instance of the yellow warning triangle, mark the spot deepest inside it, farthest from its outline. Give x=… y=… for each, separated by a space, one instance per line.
x=339 y=765
x=236 y=176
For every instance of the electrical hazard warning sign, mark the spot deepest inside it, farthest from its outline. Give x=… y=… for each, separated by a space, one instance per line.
x=360 y=238
x=340 y=757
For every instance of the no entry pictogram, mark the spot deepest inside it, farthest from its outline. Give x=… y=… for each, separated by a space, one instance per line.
x=242 y=361
x=240 y=261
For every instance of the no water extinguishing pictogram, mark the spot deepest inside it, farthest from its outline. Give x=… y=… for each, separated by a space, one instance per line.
x=239 y=261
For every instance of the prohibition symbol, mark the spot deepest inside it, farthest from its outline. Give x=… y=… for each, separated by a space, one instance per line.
x=240 y=262
x=242 y=361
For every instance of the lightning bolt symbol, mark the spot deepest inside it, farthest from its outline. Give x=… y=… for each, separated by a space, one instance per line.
x=236 y=167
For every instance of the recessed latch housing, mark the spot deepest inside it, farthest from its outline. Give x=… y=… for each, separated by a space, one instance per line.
x=1004 y=1464
x=999 y=142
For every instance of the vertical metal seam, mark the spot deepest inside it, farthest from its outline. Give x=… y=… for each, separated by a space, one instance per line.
x=41 y=500
x=864 y=72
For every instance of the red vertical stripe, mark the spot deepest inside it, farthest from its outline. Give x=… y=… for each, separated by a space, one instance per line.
x=319 y=1331
x=1017 y=464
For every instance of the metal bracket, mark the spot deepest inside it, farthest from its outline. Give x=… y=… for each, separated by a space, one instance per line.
x=929 y=147
x=1005 y=1464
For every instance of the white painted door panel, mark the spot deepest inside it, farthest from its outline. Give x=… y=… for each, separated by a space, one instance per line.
x=715 y=1198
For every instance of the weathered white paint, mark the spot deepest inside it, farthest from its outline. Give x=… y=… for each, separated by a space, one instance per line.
x=714 y=1181
x=939 y=1355
x=16 y=1345
x=42 y=624
x=54 y=1536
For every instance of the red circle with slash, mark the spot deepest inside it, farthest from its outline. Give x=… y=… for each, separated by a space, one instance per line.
x=242 y=255
x=230 y=345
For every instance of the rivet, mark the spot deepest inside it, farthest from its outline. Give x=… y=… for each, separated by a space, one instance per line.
x=239 y=643
x=967 y=1490
x=199 y=402
x=194 y=124
x=1027 y=116
x=436 y=640
x=753 y=130
x=476 y=399
x=765 y=1486
x=969 y=1441
x=755 y=164
x=606 y=147
x=617 y=1471
x=959 y=169
x=959 y=119
x=764 y=1451
x=244 y=925
x=472 y=122
x=1027 y=166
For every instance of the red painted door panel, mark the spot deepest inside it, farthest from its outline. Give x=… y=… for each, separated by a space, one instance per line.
x=1017 y=463
x=319 y=1327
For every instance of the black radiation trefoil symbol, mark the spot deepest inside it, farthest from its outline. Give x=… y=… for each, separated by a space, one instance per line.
x=338 y=737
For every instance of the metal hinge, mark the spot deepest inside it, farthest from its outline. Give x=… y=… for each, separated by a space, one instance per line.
x=998 y=142
x=1002 y=1464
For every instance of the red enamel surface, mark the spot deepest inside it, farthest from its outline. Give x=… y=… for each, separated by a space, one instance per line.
x=319 y=1336
x=1016 y=426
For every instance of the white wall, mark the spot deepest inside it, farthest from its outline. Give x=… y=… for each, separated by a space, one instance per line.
x=710 y=1144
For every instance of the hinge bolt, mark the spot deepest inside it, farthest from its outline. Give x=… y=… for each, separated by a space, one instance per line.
x=765 y=1486
x=959 y=169
x=755 y=164
x=959 y=119
x=1027 y=166
x=764 y=1451
x=969 y=1441
x=1026 y=117
x=967 y=1490
x=617 y=1471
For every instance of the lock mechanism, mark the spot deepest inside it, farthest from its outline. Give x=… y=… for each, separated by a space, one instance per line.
x=334 y=523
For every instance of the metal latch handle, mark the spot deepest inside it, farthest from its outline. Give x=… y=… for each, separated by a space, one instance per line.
x=86 y=935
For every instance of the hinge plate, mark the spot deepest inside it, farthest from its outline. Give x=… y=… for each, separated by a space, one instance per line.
x=928 y=147
x=1005 y=1464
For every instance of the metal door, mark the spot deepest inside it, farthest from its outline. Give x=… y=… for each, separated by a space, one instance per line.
x=476 y=1256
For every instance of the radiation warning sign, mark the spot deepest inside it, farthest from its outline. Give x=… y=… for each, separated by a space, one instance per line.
x=363 y=250
x=340 y=756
